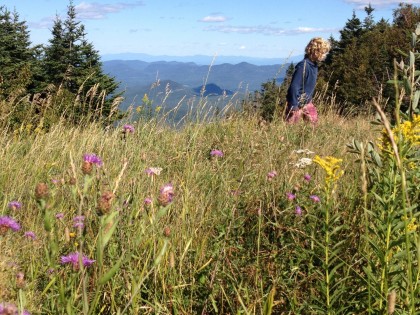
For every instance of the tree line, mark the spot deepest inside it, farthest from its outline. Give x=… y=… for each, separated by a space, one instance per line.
x=60 y=80
x=360 y=66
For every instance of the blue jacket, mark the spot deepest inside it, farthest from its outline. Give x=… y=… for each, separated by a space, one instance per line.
x=297 y=85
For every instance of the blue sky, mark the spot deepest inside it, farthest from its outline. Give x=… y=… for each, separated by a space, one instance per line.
x=264 y=29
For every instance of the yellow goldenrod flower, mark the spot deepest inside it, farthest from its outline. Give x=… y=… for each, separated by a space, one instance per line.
x=409 y=130
x=331 y=165
x=158 y=108
x=412 y=226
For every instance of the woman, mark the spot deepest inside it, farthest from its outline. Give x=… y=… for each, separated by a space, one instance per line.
x=302 y=86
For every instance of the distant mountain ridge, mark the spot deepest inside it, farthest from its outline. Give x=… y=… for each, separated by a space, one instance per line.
x=203 y=59
x=186 y=79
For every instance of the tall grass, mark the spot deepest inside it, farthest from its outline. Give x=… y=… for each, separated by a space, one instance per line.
x=219 y=216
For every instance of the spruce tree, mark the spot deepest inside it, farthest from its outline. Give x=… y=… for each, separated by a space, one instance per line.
x=17 y=59
x=72 y=64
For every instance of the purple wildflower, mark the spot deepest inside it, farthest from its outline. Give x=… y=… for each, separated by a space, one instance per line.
x=8 y=223
x=148 y=201
x=30 y=234
x=93 y=159
x=79 y=225
x=59 y=215
x=216 y=153
x=79 y=218
x=9 y=308
x=128 y=129
x=166 y=194
x=307 y=178
x=290 y=196
x=298 y=211
x=73 y=258
x=271 y=175
x=315 y=198
x=14 y=205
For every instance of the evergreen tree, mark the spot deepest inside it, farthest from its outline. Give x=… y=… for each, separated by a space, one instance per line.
x=16 y=56
x=72 y=63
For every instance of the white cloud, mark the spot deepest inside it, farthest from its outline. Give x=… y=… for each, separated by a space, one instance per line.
x=266 y=30
x=213 y=18
x=242 y=47
x=96 y=11
x=361 y=4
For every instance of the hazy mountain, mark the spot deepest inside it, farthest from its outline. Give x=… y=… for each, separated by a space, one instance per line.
x=202 y=59
x=171 y=82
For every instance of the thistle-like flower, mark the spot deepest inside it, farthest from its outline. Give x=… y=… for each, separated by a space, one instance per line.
x=166 y=194
x=7 y=223
x=271 y=175
x=30 y=235
x=105 y=202
x=14 y=205
x=11 y=309
x=88 y=161
x=216 y=153
x=73 y=258
x=128 y=129
x=41 y=191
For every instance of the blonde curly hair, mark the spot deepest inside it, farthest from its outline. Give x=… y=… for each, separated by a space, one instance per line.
x=317 y=49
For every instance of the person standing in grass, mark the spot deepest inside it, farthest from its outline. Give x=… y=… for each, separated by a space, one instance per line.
x=299 y=94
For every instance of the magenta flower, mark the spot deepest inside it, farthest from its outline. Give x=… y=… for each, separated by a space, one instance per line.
x=166 y=194
x=79 y=222
x=93 y=159
x=271 y=174
x=128 y=129
x=7 y=223
x=216 y=153
x=290 y=196
x=59 y=215
x=315 y=198
x=30 y=234
x=73 y=258
x=298 y=211
x=14 y=205
x=12 y=309
x=148 y=201
x=307 y=178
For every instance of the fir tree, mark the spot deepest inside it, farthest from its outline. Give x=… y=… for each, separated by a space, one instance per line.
x=72 y=63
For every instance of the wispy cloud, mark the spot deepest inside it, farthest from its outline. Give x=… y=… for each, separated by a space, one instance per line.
x=360 y=4
x=213 y=18
x=97 y=11
x=266 y=30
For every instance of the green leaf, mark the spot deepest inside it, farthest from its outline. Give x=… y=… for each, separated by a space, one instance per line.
x=111 y=272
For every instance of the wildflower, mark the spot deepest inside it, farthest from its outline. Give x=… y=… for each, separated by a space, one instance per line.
x=30 y=234
x=216 y=153
x=105 y=202
x=7 y=223
x=290 y=196
x=14 y=205
x=332 y=166
x=412 y=226
x=307 y=178
x=298 y=211
x=167 y=231
x=303 y=162
x=147 y=201
x=20 y=280
x=93 y=159
x=128 y=129
x=153 y=171
x=88 y=161
x=409 y=130
x=79 y=222
x=59 y=216
x=166 y=194
x=315 y=198
x=11 y=309
x=41 y=191
x=73 y=258
x=271 y=175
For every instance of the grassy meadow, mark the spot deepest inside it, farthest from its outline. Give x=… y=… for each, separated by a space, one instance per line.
x=231 y=216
